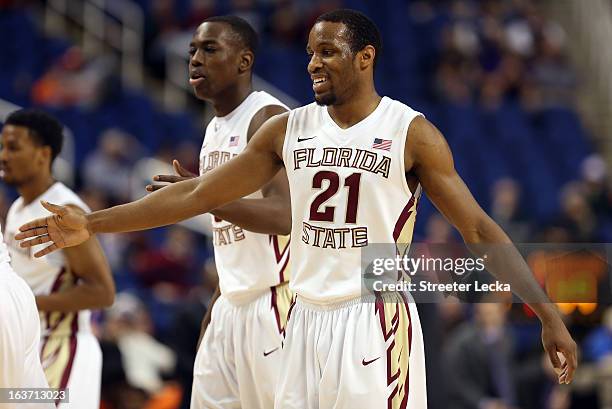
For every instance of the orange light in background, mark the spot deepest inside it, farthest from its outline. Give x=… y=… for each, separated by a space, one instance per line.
x=587 y=308
x=566 y=308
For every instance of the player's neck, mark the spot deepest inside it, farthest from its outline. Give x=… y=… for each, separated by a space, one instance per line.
x=36 y=187
x=229 y=99
x=354 y=109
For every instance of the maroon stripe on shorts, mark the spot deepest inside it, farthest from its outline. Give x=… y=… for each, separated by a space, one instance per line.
x=68 y=370
x=404 y=403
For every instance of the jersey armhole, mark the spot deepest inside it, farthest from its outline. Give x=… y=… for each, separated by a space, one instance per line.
x=286 y=140
x=262 y=107
x=412 y=115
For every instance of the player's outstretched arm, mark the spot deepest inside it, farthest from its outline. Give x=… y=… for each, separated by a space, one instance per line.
x=429 y=158
x=239 y=177
x=95 y=288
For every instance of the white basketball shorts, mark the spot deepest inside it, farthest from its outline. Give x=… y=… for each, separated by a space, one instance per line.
x=238 y=361
x=360 y=354
x=74 y=362
x=20 y=365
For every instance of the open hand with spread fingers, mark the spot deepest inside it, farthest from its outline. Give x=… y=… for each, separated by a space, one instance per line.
x=181 y=174
x=66 y=227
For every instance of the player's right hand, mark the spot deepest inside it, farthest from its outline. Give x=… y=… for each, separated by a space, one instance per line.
x=66 y=227
x=181 y=174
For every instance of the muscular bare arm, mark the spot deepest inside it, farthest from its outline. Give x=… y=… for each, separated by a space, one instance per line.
x=95 y=288
x=208 y=315
x=429 y=158
x=242 y=175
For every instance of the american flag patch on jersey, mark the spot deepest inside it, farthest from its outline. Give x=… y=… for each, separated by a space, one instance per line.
x=234 y=140
x=384 y=144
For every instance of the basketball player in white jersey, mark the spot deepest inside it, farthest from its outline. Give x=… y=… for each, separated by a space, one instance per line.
x=345 y=159
x=19 y=335
x=239 y=358
x=67 y=284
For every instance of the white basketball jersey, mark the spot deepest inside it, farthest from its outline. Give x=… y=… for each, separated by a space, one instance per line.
x=50 y=273
x=4 y=253
x=247 y=262
x=348 y=190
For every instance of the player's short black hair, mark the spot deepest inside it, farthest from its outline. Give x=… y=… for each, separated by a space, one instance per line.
x=42 y=127
x=243 y=30
x=361 y=30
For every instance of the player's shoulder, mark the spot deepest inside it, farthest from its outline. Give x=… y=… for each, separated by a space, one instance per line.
x=61 y=194
x=265 y=99
x=309 y=115
x=394 y=107
x=14 y=208
x=278 y=121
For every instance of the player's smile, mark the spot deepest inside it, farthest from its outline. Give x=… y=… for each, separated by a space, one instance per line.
x=320 y=83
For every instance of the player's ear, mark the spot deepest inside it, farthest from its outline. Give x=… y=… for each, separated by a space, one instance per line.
x=366 y=57
x=246 y=61
x=47 y=154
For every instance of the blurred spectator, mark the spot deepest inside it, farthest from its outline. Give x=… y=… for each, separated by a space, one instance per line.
x=598 y=344
x=595 y=176
x=538 y=386
x=553 y=76
x=247 y=9
x=576 y=214
x=114 y=245
x=5 y=202
x=108 y=168
x=437 y=316
x=200 y=10
x=184 y=154
x=479 y=357
x=186 y=328
x=506 y=210
x=286 y=25
x=164 y=16
x=499 y=51
x=73 y=80
x=438 y=230
x=144 y=359
x=169 y=269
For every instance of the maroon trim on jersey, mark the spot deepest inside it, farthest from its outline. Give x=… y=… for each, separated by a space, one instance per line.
x=403 y=217
x=75 y=320
x=277 y=251
x=68 y=370
x=281 y=274
x=54 y=288
x=278 y=254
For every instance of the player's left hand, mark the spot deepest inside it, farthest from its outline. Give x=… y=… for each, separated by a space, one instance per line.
x=558 y=342
x=181 y=174
x=66 y=227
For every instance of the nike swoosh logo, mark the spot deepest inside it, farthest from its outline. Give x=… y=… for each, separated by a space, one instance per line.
x=306 y=139
x=269 y=352
x=366 y=363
